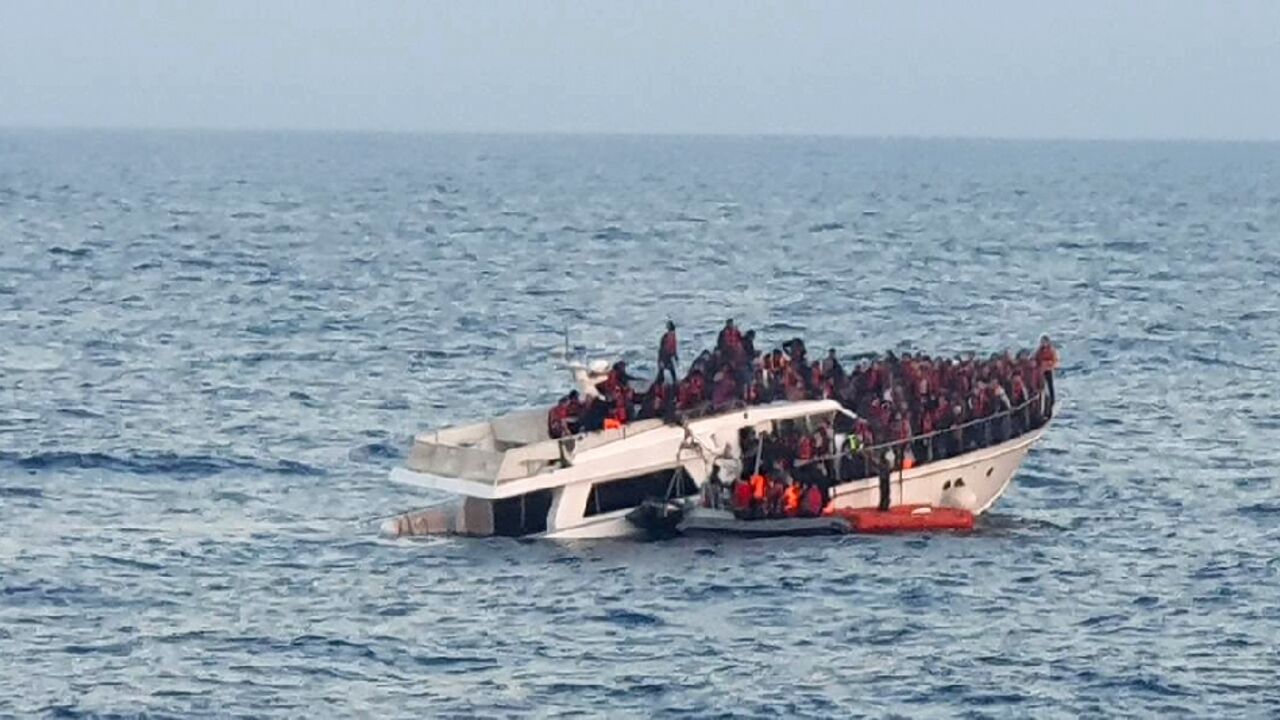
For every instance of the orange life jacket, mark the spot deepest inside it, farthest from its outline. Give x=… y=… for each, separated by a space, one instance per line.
x=611 y=424
x=759 y=487
x=791 y=501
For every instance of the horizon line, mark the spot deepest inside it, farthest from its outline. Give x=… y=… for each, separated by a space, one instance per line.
x=730 y=134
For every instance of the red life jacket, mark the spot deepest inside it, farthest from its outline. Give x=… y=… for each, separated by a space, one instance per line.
x=659 y=392
x=980 y=405
x=555 y=420
x=804 y=450
x=684 y=394
x=811 y=503
x=667 y=348
x=865 y=435
x=1019 y=391
x=742 y=495
x=1046 y=358
x=733 y=339
x=903 y=431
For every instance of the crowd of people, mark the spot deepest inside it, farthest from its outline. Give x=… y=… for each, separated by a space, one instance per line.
x=920 y=407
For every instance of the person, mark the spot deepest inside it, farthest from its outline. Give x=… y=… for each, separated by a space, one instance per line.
x=743 y=497
x=668 y=354
x=1018 y=396
x=573 y=413
x=729 y=342
x=811 y=502
x=852 y=466
x=791 y=500
x=886 y=469
x=596 y=412
x=900 y=434
x=556 y=418
x=728 y=464
x=618 y=375
x=1002 y=407
x=724 y=390
x=759 y=495
x=653 y=404
x=793 y=384
x=777 y=488
x=831 y=368
x=1046 y=363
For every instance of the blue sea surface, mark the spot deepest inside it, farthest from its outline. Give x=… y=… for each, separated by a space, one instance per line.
x=214 y=347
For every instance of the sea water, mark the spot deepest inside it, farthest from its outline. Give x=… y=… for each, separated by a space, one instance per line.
x=214 y=347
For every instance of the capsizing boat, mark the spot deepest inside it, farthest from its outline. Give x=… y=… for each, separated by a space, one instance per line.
x=510 y=478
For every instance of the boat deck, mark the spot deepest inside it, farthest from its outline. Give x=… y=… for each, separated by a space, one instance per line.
x=507 y=448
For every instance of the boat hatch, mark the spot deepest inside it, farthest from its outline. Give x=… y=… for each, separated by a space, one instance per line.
x=506 y=448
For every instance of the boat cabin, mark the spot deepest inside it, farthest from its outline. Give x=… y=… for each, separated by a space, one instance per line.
x=517 y=481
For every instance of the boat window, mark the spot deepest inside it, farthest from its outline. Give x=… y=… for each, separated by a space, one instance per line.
x=629 y=492
x=522 y=515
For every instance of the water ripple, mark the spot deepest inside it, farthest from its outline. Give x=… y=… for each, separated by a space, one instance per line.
x=219 y=343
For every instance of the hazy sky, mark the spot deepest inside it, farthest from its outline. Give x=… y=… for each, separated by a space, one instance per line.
x=1173 y=68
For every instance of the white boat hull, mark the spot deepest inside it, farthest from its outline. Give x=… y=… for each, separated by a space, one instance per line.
x=984 y=473
x=973 y=481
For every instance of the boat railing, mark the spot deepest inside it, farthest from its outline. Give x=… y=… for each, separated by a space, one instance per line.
x=898 y=446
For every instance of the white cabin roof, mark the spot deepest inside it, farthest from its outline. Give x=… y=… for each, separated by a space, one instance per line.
x=512 y=454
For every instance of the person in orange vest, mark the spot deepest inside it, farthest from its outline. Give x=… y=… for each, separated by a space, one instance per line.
x=668 y=354
x=1046 y=363
x=791 y=500
x=759 y=495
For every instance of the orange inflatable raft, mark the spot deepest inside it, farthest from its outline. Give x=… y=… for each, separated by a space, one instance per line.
x=905 y=518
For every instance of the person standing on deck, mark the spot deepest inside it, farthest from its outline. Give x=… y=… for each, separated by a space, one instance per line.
x=831 y=368
x=1047 y=362
x=885 y=470
x=729 y=342
x=668 y=353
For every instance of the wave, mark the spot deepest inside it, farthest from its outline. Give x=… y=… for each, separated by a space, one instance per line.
x=69 y=252
x=826 y=227
x=611 y=232
x=375 y=452
x=155 y=464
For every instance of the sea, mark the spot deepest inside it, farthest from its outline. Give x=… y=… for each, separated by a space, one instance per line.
x=214 y=346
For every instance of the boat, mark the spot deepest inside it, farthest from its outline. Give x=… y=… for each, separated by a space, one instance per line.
x=514 y=480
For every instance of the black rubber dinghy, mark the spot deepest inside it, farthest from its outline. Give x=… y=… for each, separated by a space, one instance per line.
x=693 y=524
